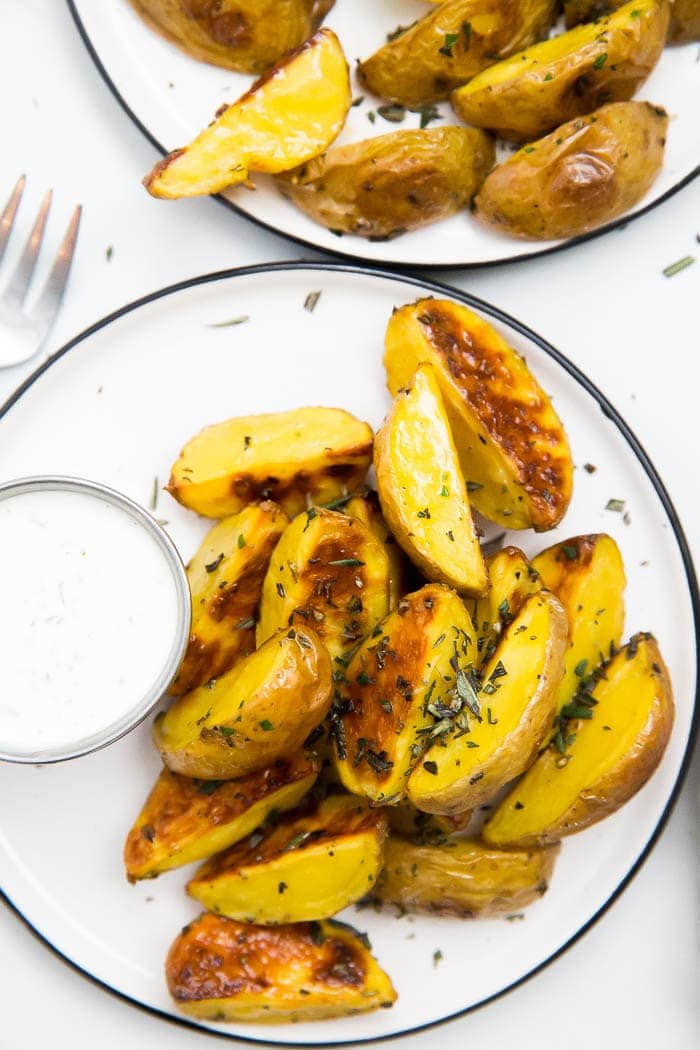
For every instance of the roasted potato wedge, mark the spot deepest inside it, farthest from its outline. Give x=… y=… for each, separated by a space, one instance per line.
x=404 y=819
x=578 y=11
x=422 y=488
x=185 y=820
x=463 y=878
x=512 y=446
x=382 y=187
x=512 y=580
x=579 y=177
x=404 y=685
x=685 y=21
x=567 y=76
x=511 y=716
x=289 y=116
x=365 y=507
x=247 y=36
x=262 y=709
x=610 y=754
x=330 y=572
x=221 y=970
x=307 y=454
x=226 y=576
x=452 y=43
x=588 y=577
x=312 y=864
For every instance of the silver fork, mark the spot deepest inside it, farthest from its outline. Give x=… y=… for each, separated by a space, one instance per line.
x=23 y=333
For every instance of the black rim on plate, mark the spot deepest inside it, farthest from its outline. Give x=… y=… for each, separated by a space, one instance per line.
x=618 y=224
x=608 y=410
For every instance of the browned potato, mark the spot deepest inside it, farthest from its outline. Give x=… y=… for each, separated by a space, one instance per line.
x=512 y=580
x=404 y=819
x=451 y=44
x=579 y=177
x=365 y=507
x=385 y=186
x=222 y=970
x=578 y=11
x=685 y=21
x=463 y=878
x=247 y=36
x=185 y=820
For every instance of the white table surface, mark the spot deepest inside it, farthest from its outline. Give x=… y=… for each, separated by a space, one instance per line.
x=632 y=980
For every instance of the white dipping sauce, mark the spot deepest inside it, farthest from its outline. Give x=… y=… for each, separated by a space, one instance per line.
x=88 y=619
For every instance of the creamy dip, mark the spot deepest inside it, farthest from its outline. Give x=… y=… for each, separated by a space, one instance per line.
x=88 y=619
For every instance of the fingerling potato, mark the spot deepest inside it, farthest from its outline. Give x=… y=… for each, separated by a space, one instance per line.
x=222 y=970
x=184 y=820
x=513 y=448
x=512 y=580
x=305 y=455
x=312 y=864
x=290 y=115
x=262 y=709
x=422 y=490
x=610 y=754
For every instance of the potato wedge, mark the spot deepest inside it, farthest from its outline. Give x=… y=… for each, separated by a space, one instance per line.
x=578 y=11
x=463 y=878
x=512 y=580
x=330 y=572
x=247 y=36
x=422 y=489
x=286 y=118
x=365 y=507
x=582 y=175
x=610 y=754
x=222 y=970
x=313 y=863
x=512 y=446
x=685 y=22
x=307 y=454
x=184 y=820
x=406 y=683
x=404 y=819
x=588 y=577
x=567 y=76
x=262 y=709
x=452 y=43
x=516 y=708
x=382 y=187
x=226 y=576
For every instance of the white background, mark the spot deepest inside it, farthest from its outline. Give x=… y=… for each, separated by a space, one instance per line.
x=632 y=980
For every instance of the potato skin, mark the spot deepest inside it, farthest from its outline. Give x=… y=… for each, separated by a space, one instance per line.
x=416 y=67
x=365 y=507
x=464 y=878
x=512 y=580
x=424 y=828
x=580 y=176
x=222 y=970
x=385 y=186
x=685 y=22
x=529 y=94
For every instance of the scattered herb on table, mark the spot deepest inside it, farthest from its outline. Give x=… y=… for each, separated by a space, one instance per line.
x=311 y=301
x=230 y=323
x=680 y=264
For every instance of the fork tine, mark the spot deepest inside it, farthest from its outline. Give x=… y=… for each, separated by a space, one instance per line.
x=51 y=294
x=19 y=282
x=8 y=216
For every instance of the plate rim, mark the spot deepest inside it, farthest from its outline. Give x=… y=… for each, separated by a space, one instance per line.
x=571 y=242
x=608 y=410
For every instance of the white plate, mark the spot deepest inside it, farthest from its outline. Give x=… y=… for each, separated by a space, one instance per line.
x=117 y=405
x=171 y=97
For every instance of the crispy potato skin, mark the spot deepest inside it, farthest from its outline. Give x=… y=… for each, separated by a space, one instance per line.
x=415 y=67
x=529 y=94
x=512 y=580
x=515 y=719
x=314 y=454
x=685 y=22
x=365 y=507
x=579 y=177
x=614 y=754
x=226 y=576
x=247 y=36
x=312 y=864
x=463 y=878
x=384 y=186
x=422 y=489
x=184 y=820
x=221 y=970
x=261 y=710
x=288 y=116
x=512 y=445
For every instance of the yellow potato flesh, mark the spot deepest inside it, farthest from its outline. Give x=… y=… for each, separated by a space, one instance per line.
x=612 y=756
x=288 y=117
x=422 y=489
x=517 y=708
x=365 y=508
x=512 y=580
x=307 y=867
x=306 y=455
x=404 y=819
